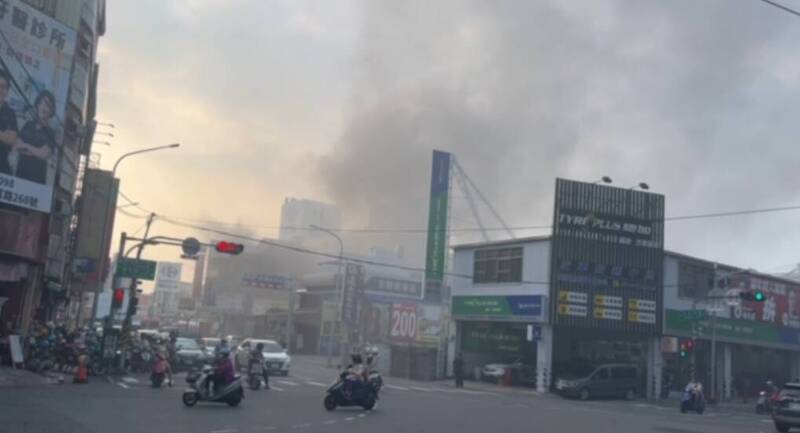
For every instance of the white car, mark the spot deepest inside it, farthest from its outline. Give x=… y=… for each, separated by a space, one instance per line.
x=276 y=360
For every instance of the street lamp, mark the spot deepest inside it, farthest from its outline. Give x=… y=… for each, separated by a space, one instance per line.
x=339 y=278
x=641 y=185
x=604 y=179
x=136 y=152
x=104 y=246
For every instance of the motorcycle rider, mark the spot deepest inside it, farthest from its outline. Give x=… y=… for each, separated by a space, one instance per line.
x=257 y=358
x=355 y=375
x=224 y=372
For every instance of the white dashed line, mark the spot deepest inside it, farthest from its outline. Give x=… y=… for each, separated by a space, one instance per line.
x=129 y=379
x=301 y=426
x=230 y=430
x=350 y=418
x=399 y=388
x=417 y=388
x=286 y=382
x=330 y=421
x=311 y=382
x=275 y=388
x=122 y=385
x=362 y=415
x=268 y=427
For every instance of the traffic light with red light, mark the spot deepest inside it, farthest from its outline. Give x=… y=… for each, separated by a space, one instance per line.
x=117 y=298
x=133 y=303
x=686 y=347
x=229 y=247
x=753 y=296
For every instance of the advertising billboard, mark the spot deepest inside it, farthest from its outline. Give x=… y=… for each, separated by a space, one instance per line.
x=436 y=252
x=607 y=257
x=353 y=293
x=518 y=308
x=37 y=56
x=772 y=323
x=96 y=212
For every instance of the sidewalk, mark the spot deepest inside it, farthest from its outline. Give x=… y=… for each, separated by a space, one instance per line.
x=10 y=377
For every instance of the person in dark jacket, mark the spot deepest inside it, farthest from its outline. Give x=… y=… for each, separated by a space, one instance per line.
x=8 y=125
x=458 y=370
x=36 y=140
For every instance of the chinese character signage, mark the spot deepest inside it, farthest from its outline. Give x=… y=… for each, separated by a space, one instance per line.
x=353 y=293
x=37 y=54
x=523 y=308
x=436 y=253
x=607 y=257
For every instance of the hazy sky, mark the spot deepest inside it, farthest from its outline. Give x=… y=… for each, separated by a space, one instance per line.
x=343 y=101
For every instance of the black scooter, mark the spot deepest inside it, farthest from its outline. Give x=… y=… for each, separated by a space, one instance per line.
x=363 y=394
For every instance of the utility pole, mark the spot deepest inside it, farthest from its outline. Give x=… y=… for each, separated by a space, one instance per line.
x=134 y=282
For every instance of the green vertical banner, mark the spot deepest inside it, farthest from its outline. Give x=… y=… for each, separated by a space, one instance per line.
x=437 y=218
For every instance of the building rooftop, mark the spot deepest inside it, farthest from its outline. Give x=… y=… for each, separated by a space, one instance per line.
x=502 y=242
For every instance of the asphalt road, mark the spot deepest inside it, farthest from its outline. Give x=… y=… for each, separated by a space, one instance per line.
x=127 y=404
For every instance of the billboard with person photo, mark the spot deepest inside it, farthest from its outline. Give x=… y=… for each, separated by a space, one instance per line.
x=36 y=52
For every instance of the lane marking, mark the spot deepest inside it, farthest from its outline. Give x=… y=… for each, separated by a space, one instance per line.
x=123 y=385
x=230 y=430
x=362 y=415
x=129 y=379
x=350 y=418
x=286 y=382
x=271 y=387
x=417 y=388
x=306 y=425
x=269 y=427
x=399 y=388
x=311 y=382
x=329 y=422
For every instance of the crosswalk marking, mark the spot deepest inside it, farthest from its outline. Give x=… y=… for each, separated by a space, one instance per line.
x=399 y=388
x=286 y=382
x=273 y=387
x=311 y=382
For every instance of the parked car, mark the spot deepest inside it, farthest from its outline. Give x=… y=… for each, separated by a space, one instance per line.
x=786 y=412
x=190 y=354
x=276 y=360
x=608 y=380
x=521 y=374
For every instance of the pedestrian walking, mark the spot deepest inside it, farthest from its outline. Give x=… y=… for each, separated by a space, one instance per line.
x=458 y=370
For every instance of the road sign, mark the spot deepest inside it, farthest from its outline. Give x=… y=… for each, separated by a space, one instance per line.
x=534 y=333
x=136 y=268
x=190 y=246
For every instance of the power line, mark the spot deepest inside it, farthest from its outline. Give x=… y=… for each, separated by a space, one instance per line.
x=320 y=253
x=782 y=7
x=732 y=213
x=475 y=229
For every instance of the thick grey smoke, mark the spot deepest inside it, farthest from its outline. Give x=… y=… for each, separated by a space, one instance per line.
x=684 y=95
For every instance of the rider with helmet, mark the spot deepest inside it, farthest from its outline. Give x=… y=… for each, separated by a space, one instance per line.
x=224 y=371
x=257 y=358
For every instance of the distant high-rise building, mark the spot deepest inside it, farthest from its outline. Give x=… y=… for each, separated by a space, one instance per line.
x=297 y=215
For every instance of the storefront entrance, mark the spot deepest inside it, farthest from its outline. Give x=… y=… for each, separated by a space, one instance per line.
x=505 y=344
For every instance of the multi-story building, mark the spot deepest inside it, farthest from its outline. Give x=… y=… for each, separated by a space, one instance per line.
x=48 y=55
x=297 y=217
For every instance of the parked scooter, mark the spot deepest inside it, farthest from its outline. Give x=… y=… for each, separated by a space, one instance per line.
x=693 y=398
x=232 y=394
x=767 y=398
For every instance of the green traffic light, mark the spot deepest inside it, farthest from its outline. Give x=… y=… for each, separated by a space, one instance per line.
x=683 y=354
x=759 y=296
